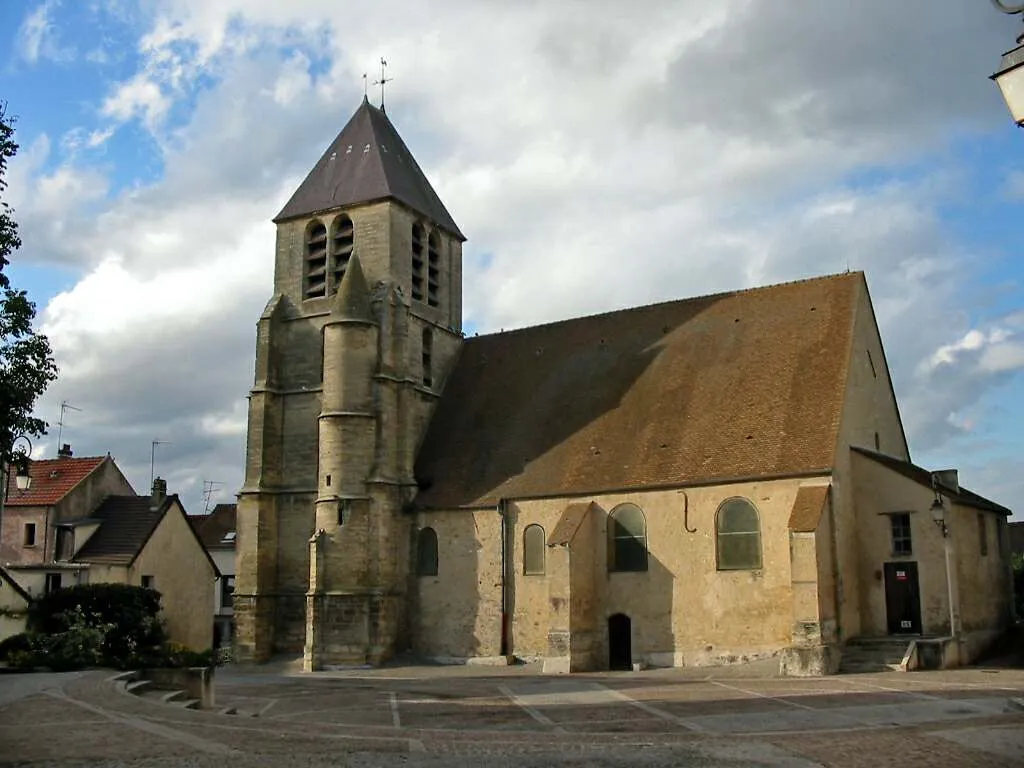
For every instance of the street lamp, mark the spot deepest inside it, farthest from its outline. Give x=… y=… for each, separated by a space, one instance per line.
x=1010 y=75
x=22 y=477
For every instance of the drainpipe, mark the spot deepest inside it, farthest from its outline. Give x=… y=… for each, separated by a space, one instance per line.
x=501 y=510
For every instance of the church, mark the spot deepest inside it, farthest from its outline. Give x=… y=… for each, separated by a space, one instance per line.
x=703 y=481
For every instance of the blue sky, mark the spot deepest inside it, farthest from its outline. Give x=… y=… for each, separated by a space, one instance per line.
x=707 y=148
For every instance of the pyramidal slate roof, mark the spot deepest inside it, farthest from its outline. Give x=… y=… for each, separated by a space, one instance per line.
x=367 y=161
x=710 y=389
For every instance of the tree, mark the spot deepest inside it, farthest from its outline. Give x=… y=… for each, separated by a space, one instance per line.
x=26 y=361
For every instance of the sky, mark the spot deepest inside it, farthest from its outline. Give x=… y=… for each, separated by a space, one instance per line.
x=597 y=155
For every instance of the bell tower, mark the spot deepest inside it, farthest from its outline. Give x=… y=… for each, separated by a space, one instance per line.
x=352 y=354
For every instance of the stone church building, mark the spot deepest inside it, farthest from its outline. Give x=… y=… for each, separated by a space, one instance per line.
x=700 y=481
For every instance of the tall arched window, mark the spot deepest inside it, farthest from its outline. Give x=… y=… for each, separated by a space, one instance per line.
x=738 y=536
x=315 y=263
x=426 y=552
x=534 y=543
x=419 y=237
x=433 y=269
x=342 y=242
x=627 y=539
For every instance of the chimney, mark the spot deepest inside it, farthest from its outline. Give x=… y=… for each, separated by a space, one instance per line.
x=156 y=500
x=65 y=451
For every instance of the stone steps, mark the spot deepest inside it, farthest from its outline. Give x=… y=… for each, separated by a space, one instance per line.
x=864 y=655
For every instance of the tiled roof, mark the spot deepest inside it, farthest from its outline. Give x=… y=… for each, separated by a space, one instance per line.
x=127 y=523
x=52 y=480
x=807 y=508
x=924 y=477
x=367 y=161
x=568 y=524
x=214 y=527
x=734 y=385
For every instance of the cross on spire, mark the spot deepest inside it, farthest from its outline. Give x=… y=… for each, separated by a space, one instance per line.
x=383 y=80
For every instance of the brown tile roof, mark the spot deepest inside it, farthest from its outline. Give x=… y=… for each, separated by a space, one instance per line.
x=570 y=521
x=52 y=480
x=367 y=161
x=212 y=528
x=733 y=385
x=807 y=508
x=924 y=477
x=127 y=522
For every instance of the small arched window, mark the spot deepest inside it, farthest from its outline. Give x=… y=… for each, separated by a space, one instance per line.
x=428 y=355
x=426 y=552
x=534 y=543
x=434 y=269
x=315 y=263
x=342 y=243
x=738 y=535
x=627 y=539
x=419 y=237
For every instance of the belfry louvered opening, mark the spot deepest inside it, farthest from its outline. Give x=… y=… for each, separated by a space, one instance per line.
x=315 y=277
x=342 y=242
x=433 y=269
x=418 y=237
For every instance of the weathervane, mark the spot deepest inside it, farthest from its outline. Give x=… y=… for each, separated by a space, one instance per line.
x=382 y=81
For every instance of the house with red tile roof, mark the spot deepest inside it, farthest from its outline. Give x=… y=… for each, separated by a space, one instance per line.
x=81 y=522
x=217 y=532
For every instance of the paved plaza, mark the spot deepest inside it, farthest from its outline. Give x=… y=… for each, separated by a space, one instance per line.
x=468 y=716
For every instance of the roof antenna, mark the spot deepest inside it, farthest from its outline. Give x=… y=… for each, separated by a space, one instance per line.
x=65 y=406
x=152 y=459
x=382 y=81
x=364 y=87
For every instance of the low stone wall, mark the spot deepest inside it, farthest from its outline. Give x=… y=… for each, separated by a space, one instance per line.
x=197 y=682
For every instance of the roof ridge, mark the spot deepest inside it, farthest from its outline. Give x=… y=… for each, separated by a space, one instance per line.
x=653 y=304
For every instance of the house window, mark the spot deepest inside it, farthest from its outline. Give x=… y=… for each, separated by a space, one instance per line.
x=418 y=238
x=52 y=582
x=901 y=544
x=148 y=582
x=426 y=552
x=433 y=269
x=65 y=543
x=534 y=544
x=428 y=354
x=315 y=277
x=227 y=591
x=738 y=534
x=342 y=242
x=627 y=539
x=982 y=534
x=30 y=535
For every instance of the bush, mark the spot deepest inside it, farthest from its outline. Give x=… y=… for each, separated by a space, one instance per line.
x=21 y=643
x=127 y=616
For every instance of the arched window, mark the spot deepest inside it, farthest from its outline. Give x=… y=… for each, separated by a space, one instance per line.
x=342 y=242
x=315 y=266
x=433 y=269
x=627 y=539
x=738 y=534
x=426 y=552
x=418 y=244
x=428 y=353
x=534 y=543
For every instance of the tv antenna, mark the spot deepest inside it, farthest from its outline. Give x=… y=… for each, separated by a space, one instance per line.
x=383 y=80
x=152 y=459
x=65 y=406
x=209 y=486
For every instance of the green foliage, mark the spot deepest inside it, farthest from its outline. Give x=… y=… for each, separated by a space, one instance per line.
x=26 y=361
x=129 y=615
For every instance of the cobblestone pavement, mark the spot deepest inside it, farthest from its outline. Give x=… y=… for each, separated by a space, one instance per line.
x=433 y=716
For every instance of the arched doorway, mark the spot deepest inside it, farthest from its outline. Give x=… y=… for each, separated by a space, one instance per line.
x=620 y=650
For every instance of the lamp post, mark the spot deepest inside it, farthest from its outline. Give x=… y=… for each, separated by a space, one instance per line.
x=23 y=478
x=1010 y=75
x=938 y=512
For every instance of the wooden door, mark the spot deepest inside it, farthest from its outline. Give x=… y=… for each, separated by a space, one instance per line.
x=902 y=598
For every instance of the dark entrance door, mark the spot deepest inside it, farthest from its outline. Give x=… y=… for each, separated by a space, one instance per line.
x=620 y=651
x=902 y=599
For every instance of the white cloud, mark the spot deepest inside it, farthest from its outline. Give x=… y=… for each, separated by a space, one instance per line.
x=38 y=37
x=596 y=156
